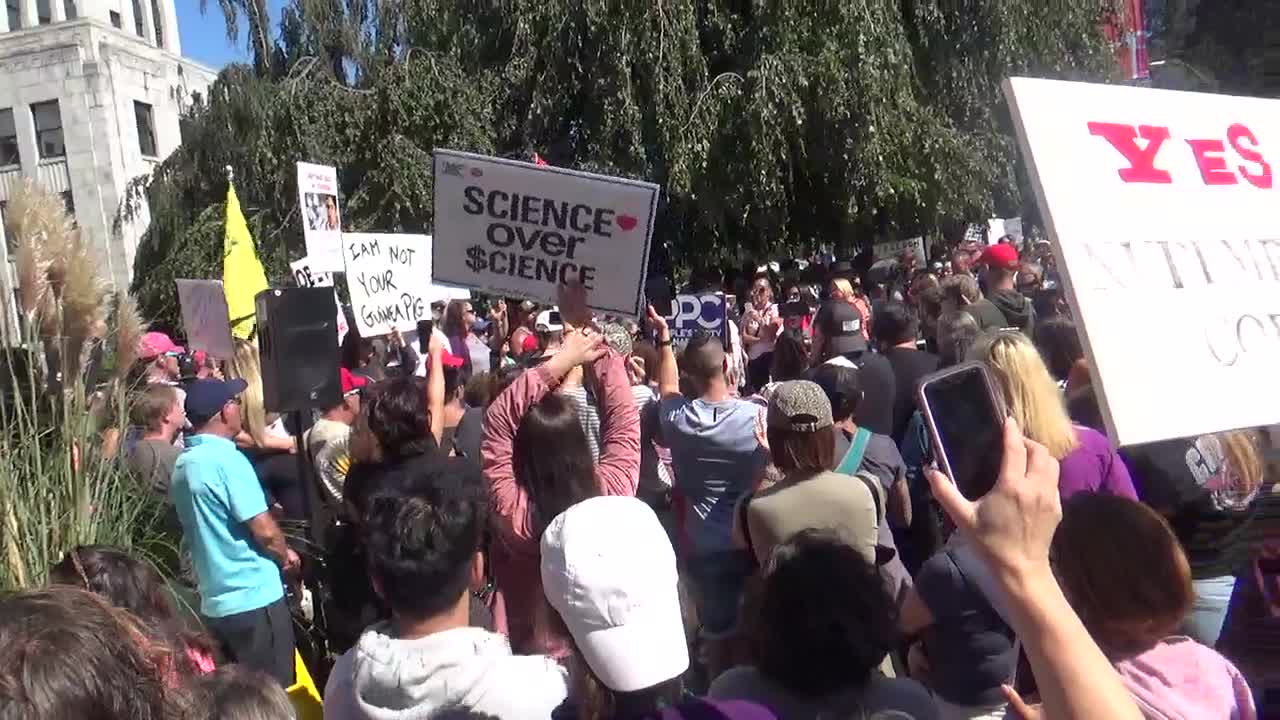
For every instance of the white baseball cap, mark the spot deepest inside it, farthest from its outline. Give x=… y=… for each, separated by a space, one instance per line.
x=543 y=322
x=609 y=570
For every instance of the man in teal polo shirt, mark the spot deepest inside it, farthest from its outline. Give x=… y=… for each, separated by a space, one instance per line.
x=238 y=549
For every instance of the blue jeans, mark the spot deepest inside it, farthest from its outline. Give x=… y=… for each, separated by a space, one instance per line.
x=718 y=580
x=1213 y=597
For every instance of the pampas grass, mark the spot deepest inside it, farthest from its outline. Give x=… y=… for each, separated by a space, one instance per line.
x=61 y=484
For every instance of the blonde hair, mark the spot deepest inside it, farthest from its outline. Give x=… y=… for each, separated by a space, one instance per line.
x=1242 y=464
x=245 y=366
x=844 y=286
x=1030 y=394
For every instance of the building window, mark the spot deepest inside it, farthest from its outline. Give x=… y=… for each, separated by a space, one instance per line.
x=48 y=122
x=156 y=19
x=137 y=19
x=116 y=22
x=69 y=202
x=146 y=129
x=69 y=7
x=44 y=14
x=15 y=15
x=9 y=154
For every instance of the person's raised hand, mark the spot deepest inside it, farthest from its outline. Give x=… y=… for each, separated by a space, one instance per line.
x=434 y=345
x=583 y=346
x=762 y=433
x=659 y=324
x=292 y=563
x=636 y=369
x=572 y=298
x=1019 y=708
x=1013 y=524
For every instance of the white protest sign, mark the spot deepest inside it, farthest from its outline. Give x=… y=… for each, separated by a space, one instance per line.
x=887 y=250
x=321 y=216
x=998 y=228
x=389 y=280
x=1161 y=210
x=304 y=276
x=206 y=317
x=521 y=230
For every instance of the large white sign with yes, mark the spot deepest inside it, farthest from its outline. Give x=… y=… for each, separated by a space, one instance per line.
x=1162 y=211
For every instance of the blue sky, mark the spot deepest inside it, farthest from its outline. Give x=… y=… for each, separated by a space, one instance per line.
x=204 y=36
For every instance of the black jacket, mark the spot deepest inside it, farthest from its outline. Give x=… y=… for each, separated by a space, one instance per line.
x=1004 y=309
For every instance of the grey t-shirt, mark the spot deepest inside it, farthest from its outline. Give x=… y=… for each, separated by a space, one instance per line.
x=881 y=457
x=716 y=458
x=152 y=461
x=881 y=699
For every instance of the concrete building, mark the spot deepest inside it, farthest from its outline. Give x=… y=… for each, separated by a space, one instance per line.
x=91 y=92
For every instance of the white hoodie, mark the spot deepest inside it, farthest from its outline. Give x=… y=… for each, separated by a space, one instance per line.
x=464 y=671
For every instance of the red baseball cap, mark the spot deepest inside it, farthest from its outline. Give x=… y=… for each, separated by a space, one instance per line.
x=351 y=382
x=1001 y=256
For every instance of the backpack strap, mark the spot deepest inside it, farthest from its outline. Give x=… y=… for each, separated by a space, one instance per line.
x=857 y=449
x=877 y=494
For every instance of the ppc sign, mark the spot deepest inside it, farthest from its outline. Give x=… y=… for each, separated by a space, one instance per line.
x=522 y=230
x=693 y=314
x=1162 y=211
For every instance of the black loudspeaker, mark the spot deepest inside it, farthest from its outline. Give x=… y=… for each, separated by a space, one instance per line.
x=298 y=346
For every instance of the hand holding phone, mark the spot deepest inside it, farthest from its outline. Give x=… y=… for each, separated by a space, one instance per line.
x=965 y=418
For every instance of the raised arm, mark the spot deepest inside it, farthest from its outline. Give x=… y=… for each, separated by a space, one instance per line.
x=507 y=500
x=435 y=387
x=618 y=470
x=668 y=372
x=498 y=333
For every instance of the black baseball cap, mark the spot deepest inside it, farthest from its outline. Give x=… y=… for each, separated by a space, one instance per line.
x=207 y=397
x=842 y=328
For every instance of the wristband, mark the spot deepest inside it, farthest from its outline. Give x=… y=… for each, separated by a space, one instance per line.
x=664 y=343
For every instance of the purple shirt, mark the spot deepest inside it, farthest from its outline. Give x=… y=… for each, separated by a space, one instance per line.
x=1094 y=467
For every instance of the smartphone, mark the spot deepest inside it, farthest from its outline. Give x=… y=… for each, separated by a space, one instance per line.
x=965 y=417
x=554 y=318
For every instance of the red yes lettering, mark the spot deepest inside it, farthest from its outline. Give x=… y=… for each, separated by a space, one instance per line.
x=1142 y=161
x=1213 y=167
x=1239 y=134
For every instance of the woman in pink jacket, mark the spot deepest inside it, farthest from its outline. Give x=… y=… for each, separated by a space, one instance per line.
x=537 y=463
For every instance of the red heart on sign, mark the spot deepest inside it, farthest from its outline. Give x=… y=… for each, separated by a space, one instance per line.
x=626 y=222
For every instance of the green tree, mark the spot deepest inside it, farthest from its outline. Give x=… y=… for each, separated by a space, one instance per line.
x=770 y=128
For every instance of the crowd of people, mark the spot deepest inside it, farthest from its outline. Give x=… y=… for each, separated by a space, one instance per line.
x=536 y=512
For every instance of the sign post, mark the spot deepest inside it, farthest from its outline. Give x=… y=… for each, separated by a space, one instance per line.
x=1161 y=210
x=522 y=230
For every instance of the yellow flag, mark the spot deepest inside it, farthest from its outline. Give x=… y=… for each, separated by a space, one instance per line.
x=242 y=274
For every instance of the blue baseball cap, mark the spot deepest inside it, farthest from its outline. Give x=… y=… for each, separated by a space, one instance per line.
x=207 y=397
